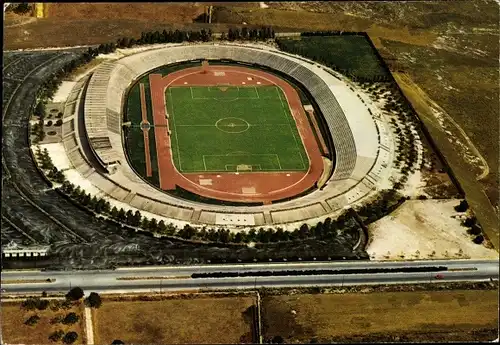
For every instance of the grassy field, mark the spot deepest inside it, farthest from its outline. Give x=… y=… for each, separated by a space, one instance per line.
x=207 y=320
x=220 y=128
x=14 y=331
x=351 y=53
x=299 y=318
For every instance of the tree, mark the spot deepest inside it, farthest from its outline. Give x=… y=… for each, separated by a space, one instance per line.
x=70 y=319
x=304 y=231
x=238 y=238
x=117 y=342
x=94 y=300
x=70 y=337
x=57 y=335
x=129 y=217
x=161 y=226
x=32 y=320
x=75 y=294
x=121 y=215
x=114 y=213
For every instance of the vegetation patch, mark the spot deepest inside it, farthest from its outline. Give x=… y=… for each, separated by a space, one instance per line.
x=351 y=55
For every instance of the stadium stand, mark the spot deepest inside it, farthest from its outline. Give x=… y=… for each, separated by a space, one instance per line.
x=354 y=132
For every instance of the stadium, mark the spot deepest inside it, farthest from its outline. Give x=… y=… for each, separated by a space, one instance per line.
x=227 y=134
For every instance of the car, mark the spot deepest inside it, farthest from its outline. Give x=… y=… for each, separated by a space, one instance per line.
x=439 y=276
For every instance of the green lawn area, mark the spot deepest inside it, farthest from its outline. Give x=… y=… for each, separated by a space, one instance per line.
x=221 y=129
x=351 y=53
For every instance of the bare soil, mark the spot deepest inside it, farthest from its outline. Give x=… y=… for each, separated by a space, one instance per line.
x=206 y=320
x=420 y=315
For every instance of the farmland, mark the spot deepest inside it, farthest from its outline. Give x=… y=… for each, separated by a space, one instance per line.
x=15 y=331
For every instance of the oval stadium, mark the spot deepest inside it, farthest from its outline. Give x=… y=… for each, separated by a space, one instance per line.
x=174 y=145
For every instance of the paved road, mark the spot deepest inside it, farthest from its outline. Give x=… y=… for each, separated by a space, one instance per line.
x=106 y=280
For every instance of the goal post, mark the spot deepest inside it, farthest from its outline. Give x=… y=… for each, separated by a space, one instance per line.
x=243 y=167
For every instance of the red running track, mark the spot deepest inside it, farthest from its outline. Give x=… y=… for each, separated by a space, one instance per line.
x=244 y=187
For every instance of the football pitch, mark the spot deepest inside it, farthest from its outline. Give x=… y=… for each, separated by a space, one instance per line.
x=230 y=128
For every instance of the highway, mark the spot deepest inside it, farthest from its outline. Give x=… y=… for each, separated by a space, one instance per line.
x=172 y=278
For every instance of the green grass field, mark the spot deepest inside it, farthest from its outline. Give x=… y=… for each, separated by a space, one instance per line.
x=221 y=129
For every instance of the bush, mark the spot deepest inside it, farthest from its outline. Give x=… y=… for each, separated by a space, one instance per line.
x=42 y=304
x=70 y=337
x=32 y=320
x=117 y=342
x=94 y=300
x=75 y=293
x=59 y=122
x=59 y=115
x=22 y=8
x=469 y=222
x=462 y=207
x=30 y=303
x=56 y=319
x=57 y=335
x=49 y=124
x=70 y=319
x=478 y=240
x=474 y=230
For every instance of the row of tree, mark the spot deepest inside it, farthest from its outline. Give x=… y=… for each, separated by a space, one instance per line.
x=325 y=230
x=179 y=36
x=262 y=34
x=48 y=166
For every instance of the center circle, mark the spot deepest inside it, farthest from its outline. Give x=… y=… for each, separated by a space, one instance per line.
x=232 y=125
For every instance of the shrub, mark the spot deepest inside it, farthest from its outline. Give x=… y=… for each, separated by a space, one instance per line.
x=478 y=240
x=70 y=319
x=49 y=124
x=42 y=304
x=59 y=115
x=56 y=319
x=59 y=122
x=469 y=222
x=30 y=303
x=462 y=207
x=474 y=230
x=57 y=335
x=32 y=320
x=117 y=342
x=70 y=337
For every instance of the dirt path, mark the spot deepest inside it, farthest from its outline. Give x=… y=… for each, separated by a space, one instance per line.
x=89 y=329
x=422 y=98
